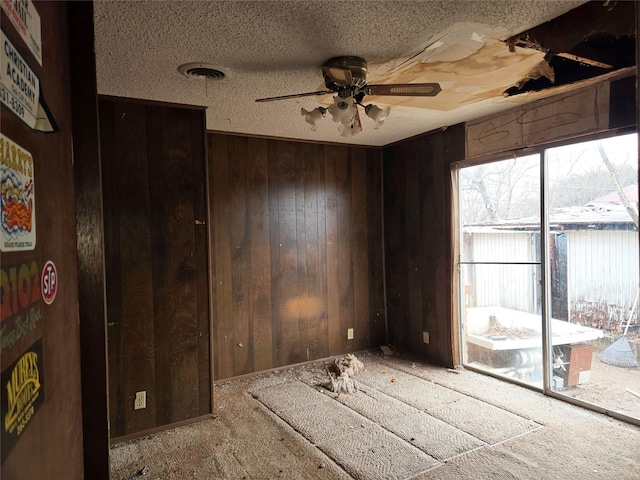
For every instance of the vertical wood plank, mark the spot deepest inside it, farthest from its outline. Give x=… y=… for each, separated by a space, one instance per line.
x=223 y=321
x=377 y=314
x=332 y=262
x=359 y=222
x=414 y=235
x=396 y=251
x=321 y=329
x=111 y=197
x=313 y=305
x=240 y=260
x=198 y=159
x=174 y=270
x=288 y=266
x=136 y=265
x=345 y=251
x=276 y=183
x=297 y=307
x=434 y=223
x=260 y=224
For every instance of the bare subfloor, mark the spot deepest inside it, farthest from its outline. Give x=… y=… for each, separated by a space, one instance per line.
x=408 y=420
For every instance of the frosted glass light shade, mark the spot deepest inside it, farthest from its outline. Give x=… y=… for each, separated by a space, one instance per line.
x=313 y=116
x=343 y=110
x=377 y=114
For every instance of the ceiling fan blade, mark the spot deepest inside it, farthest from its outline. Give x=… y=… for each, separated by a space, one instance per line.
x=405 y=89
x=295 y=95
x=339 y=76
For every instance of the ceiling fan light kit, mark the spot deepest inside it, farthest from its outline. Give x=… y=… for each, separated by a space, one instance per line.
x=347 y=77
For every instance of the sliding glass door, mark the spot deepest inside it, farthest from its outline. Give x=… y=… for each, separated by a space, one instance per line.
x=500 y=267
x=593 y=215
x=549 y=281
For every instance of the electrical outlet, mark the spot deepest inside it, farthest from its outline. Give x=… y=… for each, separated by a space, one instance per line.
x=350 y=334
x=140 y=400
x=425 y=337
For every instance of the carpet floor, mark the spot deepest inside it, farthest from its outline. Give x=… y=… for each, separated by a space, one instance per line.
x=408 y=420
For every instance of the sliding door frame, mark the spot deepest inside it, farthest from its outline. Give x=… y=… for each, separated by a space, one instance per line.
x=545 y=263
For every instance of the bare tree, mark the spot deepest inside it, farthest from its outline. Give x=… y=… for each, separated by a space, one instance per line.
x=614 y=175
x=501 y=190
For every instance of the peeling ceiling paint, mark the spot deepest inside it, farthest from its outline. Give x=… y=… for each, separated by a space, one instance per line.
x=276 y=47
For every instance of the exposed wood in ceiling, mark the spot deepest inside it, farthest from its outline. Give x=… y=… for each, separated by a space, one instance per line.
x=591 y=40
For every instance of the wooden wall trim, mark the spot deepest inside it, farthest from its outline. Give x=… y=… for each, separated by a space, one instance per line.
x=293 y=140
x=157 y=103
x=162 y=428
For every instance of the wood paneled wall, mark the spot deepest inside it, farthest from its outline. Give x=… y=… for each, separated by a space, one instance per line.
x=417 y=213
x=42 y=421
x=153 y=167
x=296 y=251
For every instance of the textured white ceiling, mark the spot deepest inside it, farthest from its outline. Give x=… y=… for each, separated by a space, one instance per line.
x=270 y=48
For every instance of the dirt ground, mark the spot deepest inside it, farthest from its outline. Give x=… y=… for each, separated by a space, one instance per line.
x=246 y=440
x=607 y=387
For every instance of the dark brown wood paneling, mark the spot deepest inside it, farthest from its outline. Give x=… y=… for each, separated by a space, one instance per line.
x=89 y=221
x=221 y=294
x=260 y=275
x=417 y=212
x=50 y=445
x=200 y=257
x=294 y=261
x=336 y=335
x=375 y=252
x=156 y=250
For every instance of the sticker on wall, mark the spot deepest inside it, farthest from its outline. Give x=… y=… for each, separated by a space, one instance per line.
x=23 y=386
x=49 y=282
x=17 y=198
x=20 y=89
x=24 y=16
x=20 y=304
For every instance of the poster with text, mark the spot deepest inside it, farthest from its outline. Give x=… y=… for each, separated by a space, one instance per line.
x=17 y=198
x=23 y=388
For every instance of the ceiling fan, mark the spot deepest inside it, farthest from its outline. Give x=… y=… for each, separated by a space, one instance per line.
x=347 y=77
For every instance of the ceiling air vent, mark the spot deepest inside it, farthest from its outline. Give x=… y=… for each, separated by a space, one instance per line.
x=202 y=70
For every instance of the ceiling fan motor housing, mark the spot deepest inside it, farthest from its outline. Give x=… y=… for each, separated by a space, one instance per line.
x=356 y=66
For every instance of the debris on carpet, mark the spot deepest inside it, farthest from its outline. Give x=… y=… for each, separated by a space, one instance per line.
x=341 y=380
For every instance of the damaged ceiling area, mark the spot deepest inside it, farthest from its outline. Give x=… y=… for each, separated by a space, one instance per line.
x=487 y=57
x=595 y=39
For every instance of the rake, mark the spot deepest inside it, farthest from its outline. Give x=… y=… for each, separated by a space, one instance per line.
x=619 y=353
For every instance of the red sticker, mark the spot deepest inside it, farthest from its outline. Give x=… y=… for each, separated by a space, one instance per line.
x=49 y=282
